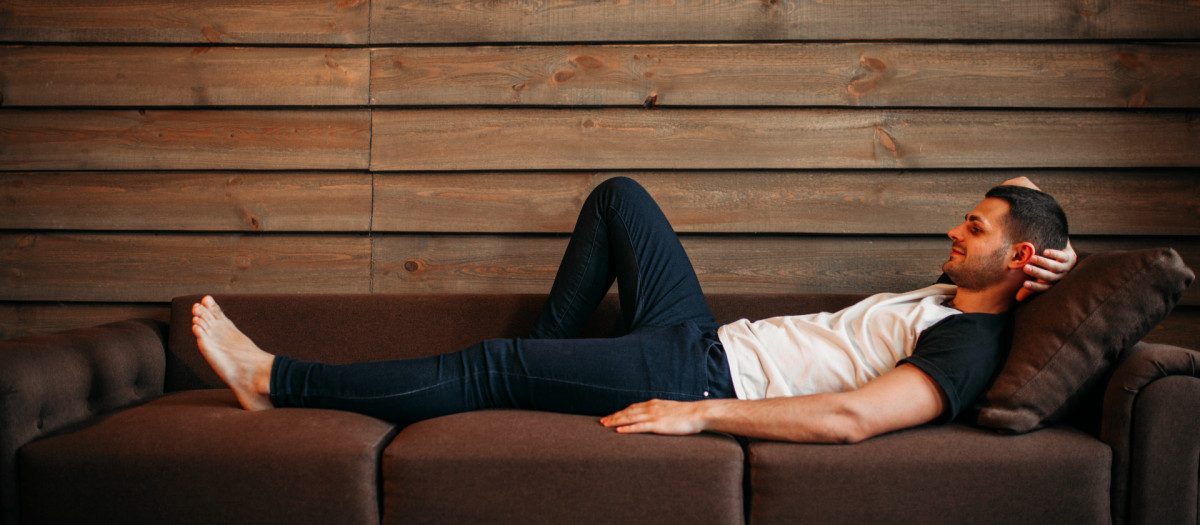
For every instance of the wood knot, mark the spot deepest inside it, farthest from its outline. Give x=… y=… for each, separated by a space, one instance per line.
x=588 y=62
x=564 y=76
x=1129 y=60
x=588 y=124
x=862 y=86
x=872 y=63
x=518 y=87
x=887 y=141
x=1137 y=100
x=650 y=101
x=211 y=34
x=411 y=266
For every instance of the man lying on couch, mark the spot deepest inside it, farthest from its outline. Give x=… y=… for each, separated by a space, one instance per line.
x=892 y=361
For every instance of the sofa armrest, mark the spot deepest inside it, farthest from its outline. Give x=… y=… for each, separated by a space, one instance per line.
x=1151 y=423
x=55 y=381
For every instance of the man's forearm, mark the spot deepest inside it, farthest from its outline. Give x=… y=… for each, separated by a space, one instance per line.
x=822 y=418
x=900 y=398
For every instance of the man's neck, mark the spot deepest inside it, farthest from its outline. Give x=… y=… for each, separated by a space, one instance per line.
x=992 y=300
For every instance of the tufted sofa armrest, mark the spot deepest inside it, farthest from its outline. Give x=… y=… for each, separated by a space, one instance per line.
x=1152 y=422
x=56 y=381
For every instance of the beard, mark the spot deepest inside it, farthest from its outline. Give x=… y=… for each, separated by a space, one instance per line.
x=977 y=275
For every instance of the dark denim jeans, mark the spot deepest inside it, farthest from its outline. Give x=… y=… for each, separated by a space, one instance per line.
x=669 y=350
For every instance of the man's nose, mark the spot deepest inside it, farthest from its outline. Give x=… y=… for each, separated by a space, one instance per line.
x=954 y=233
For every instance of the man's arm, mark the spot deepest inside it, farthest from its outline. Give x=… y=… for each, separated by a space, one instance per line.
x=900 y=398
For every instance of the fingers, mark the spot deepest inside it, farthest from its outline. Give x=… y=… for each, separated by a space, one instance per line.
x=635 y=419
x=1024 y=294
x=631 y=415
x=657 y=416
x=1066 y=257
x=1044 y=271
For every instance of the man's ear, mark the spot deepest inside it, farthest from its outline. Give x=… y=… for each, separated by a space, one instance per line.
x=1022 y=254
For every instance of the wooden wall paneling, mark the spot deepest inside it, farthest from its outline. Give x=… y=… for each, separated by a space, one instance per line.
x=182 y=76
x=1141 y=202
x=186 y=21
x=618 y=138
x=183 y=139
x=1029 y=75
x=1180 y=328
x=18 y=318
x=119 y=267
x=189 y=201
x=412 y=21
x=762 y=264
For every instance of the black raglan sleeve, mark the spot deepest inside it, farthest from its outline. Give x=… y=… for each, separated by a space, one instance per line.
x=961 y=353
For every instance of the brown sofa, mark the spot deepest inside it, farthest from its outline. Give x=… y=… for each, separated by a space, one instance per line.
x=125 y=423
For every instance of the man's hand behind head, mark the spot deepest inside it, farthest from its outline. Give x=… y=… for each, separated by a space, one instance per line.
x=1047 y=269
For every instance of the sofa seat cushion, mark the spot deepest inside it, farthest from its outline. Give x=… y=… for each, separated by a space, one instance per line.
x=534 y=467
x=935 y=474
x=196 y=457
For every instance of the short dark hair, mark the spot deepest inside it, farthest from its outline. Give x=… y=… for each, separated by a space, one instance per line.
x=1033 y=216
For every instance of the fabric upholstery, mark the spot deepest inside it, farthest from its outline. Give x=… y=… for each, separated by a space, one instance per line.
x=94 y=370
x=1168 y=419
x=1066 y=338
x=1165 y=463
x=934 y=474
x=535 y=467
x=197 y=457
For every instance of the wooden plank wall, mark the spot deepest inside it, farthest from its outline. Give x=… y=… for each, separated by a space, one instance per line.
x=155 y=149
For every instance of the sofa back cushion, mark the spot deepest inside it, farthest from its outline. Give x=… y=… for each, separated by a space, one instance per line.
x=373 y=327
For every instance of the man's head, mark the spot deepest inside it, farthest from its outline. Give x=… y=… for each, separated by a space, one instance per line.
x=1033 y=217
x=1002 y=234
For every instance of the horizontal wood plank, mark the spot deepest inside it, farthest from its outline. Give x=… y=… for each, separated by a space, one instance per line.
x=19 y=319
x=175 y=139
x=1046 y=75
x=1180 y=328
x=617 y=138
x=189 y=201
x=182 y=76
x=412 y=21
x=762 y=264
x=186 y=21
x=1164 y=202
x=158 y=267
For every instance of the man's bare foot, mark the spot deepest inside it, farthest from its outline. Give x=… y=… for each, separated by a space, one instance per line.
x=239 y=362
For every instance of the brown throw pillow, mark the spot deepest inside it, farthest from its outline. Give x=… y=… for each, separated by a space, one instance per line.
x=1064 y=339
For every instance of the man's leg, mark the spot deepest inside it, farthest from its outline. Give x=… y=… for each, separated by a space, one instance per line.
x=622 y=234
x=593 y=376
x=577 y=376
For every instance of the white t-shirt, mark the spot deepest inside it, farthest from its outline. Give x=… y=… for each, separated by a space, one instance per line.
x=830 y=352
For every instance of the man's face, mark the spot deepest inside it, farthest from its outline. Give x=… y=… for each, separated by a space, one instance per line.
x=980 y=250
